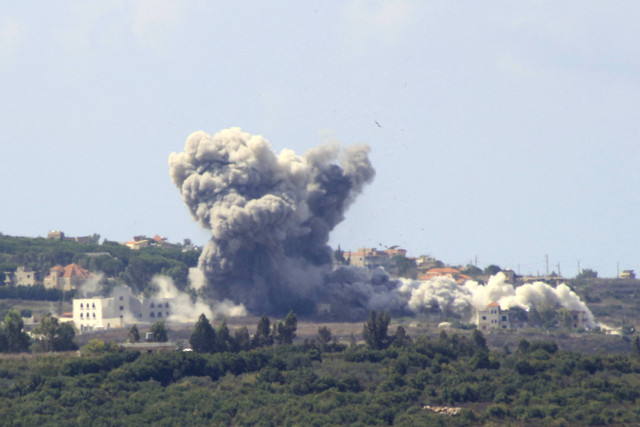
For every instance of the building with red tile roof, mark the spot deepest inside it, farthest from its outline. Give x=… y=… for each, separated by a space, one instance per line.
x=66 y=278
x=492 y=317
x=449 y=272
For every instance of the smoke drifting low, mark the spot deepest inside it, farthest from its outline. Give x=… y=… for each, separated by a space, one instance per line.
x=462 y=300
x=269 y=216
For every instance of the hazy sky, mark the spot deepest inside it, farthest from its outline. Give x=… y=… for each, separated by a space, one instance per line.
x=507 y=130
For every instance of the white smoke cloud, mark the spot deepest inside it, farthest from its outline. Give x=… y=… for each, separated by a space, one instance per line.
x=270 y=217
x=90 y=286
x=184 y=309
x=462 y=299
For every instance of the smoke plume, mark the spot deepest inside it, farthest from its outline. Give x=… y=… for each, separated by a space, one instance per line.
x=185 y=309
x=464 y=299
x=269 y=216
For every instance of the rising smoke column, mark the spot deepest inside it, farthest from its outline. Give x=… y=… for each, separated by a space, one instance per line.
x=269 y=215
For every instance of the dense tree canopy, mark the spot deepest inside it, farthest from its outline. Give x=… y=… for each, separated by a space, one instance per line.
x=13 y=338
x=159 y=331
x=203 y=337
x=375 y=329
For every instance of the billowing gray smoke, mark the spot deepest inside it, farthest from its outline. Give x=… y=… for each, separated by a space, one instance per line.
x=270 y=216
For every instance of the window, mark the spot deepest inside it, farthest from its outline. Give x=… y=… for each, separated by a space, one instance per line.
x=152 y=306
x=93 y=305
x=484 y=317
x=167 y=305
x=94 y=315
x=121 y=298
x=81 y=315
x=159 y=314
x=152 y=314
x=121 y=307
x=167 y=314
x=81 y=305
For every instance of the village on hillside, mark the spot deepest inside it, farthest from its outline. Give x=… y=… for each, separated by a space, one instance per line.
x=92 y=310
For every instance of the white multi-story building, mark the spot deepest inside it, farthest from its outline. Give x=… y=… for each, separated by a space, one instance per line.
x=118 y=310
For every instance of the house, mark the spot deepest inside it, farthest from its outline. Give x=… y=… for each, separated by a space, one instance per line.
x=579 y=319
x=449 y=272
x=373 y=258
x=118 y=310
x=493 y=318
x=425 y=263
x=55 y=235
x=628 y=274
x=66 y=278
x=23 y=276
x=137 y=244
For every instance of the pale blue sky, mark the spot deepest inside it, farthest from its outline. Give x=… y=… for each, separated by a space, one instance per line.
x=509 y=130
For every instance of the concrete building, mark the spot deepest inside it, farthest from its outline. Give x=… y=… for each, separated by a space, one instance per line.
x=373 y=258
x=579 y=319
x=66 y=278
x=628 y=274
x=449 y=272
x=22 y=277
x=493 y=318
x=118 y=310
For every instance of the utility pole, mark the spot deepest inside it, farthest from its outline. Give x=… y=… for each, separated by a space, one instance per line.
x=546 y=258
x=579 y=267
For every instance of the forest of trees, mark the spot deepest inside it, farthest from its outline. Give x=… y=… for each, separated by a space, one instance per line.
x=263 y=380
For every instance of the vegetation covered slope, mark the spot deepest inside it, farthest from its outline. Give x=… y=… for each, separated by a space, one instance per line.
x=301 y=384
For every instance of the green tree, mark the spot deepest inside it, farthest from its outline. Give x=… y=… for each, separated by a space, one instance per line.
x=479 y=340
x=338 y=257
x=96 y=346
x=492 y=269
x=64 y=339
x=17 y=339
x=587 y=273
x=46 y=331
x=401 y=338
x=4 y=345
x=375 y=329
x=323 y=338
x=224 y=341
x=54 y=336
x=286 y=331
x=241 y=340
x=472 y=270
x=203 y=337
x=406 y=267
x=134 y=334
x=523 y=346
x=159 y=331
x=263 y=336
